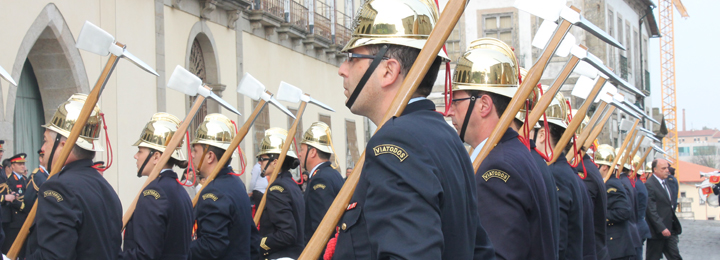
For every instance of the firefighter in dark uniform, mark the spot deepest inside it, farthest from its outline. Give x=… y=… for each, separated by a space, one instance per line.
x=324 y=182
x=161 y=225
x=595 y=185
x=540 y=162
x=16 y=185
x=642 y=203
x=574 y=205
x=624 y=167
x=37 y=178
x=282 y=223
x=416 y=196
x=512 y=197
x=619 y=209
x=79 y=215
x=222 y=214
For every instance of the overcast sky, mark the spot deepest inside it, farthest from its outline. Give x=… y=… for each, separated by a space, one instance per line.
x=696 y=65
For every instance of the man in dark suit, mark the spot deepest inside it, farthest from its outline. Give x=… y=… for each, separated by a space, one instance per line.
x=663 y=223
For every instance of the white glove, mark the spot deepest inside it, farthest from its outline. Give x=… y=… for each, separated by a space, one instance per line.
x=5 y=257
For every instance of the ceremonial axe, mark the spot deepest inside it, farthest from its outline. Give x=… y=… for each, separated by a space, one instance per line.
x=4 y=74
x=255 y=90
x=624 y=125
x=293 y=94
x=95 y=40
x=183 y=81
x=639 y=111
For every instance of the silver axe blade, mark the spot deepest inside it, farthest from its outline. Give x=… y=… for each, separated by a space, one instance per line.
x=658 y=149
x=293 y=94
x=640 y=111
x=184 y=81
x=254 y=89
x=554 y=9
x=96 y=40
x=594 y=61
x=626 y=110
x=4 y=74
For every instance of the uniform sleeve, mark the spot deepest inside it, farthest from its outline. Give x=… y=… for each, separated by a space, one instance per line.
x=318 y=202
x=213 y=220
x=618 y=206
x=565 y=201
x=483 y=247
x=58 y=217
x=402 y=210
x=149 y=227
x=280 y=214
x=653 y=217
x=31 y=193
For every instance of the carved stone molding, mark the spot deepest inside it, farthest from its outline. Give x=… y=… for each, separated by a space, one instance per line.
x=233 y=16
x=210 y=6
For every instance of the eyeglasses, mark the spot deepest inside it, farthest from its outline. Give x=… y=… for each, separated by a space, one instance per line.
x=260 y=159
x=351 y=55
x=455 y=100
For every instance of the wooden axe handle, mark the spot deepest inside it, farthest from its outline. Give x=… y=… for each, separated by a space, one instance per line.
x=576 y=121
x=596 y=131
x=242 y=132
x=82 y=119
x=628 y=150
x=281 y=159
x=621 y=150
x=518 y=100
x=586 y=132
x=448 y=19
x=171 y=146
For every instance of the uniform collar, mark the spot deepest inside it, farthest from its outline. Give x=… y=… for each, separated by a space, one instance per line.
x=417 y=104
x=225 y=171
x=509 y=134
x=477 y=149
x=42 y=169
x=19 y=176
x=317 y=167
x=168 y=173
x=77 y=165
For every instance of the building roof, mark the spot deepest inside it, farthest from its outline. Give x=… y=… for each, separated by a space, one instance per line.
x=690 y=172
x=709 y=132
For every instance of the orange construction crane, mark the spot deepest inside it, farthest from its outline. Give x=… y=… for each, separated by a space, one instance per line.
x=667 y=76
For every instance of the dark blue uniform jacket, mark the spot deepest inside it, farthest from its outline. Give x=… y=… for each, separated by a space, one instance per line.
x=632 y=194
x=619 y=213
x=416 y=196
x=642 y=202
x=570 y=197
x=224 y=220
x=596 y=190
x=79 y=216
x=161 y=226
x=321 y=190
x=513 y=202
x=551 y=190
x=282 y=223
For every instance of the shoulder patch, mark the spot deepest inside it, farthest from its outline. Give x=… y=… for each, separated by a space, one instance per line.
x=153 y=193
x=278 y=188
x=319 y=186
x=54 y=194
x=496 y=174
x=209 y=196
x=611 y=190
x=400 y=153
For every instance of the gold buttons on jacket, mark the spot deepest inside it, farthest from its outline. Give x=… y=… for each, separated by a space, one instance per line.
x=344 y=226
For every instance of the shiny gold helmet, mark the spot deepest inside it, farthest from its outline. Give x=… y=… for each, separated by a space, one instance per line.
x=158 y=132
x=216 y=130
x=318 y=136
x=273 y=141
x=636 y=164
x=533 y=98
x=399 y=22
x=557 y=111
x=489 y=65
x=64 y=119
x=648 y=167
x=622 y=160
x=605 y=155
x=583 y=124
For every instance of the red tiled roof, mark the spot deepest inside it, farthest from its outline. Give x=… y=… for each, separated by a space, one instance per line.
x=710 y=132
x=690 y=172
x=716 y=135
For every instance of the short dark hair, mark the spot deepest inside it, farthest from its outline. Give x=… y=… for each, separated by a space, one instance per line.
x=218 y=154
x=406 y=57
x=654 y=164
x=500 y=102
x=322 y=155
x=82 y=154
x=289 y=163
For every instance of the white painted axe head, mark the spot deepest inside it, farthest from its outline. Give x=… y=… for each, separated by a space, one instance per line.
x=583 y=87
x=645 y=143
x=544 y=33
x=251 y=87
x=96 y=40
x=184 y=81
x=607 y=93
x=585 y=69
x=4 y=74
x=289 y=93
x=626 y=125
x=566 y=45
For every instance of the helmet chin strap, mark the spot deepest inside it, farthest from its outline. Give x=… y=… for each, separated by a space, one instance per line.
x=147 y=159
x=376 y=61
x=306 y=156
x=52 y=152
x=467 y=117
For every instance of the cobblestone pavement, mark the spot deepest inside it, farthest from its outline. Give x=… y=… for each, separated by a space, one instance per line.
x=700 y=239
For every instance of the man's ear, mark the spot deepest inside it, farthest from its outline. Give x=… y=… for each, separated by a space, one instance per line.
x=389 y=72
x=485 y=105
x=210 y=157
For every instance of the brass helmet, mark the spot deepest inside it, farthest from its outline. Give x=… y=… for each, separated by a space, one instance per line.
x=216 y=130
x=399 y=22
x=622 y=160
x=636 y=164
x=64 y=119
x=533 y=98
x=583 y=124
x=489 y=65
x=605 y=155
x=648 y=167
x=557 y=111
x=158 y=132
x=273 y=141
x=318 y=136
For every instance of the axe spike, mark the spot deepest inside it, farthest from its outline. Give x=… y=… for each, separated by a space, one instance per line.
x=4 y=74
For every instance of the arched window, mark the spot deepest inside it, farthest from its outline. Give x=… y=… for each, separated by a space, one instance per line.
x=29 y=117
x=197 y=67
